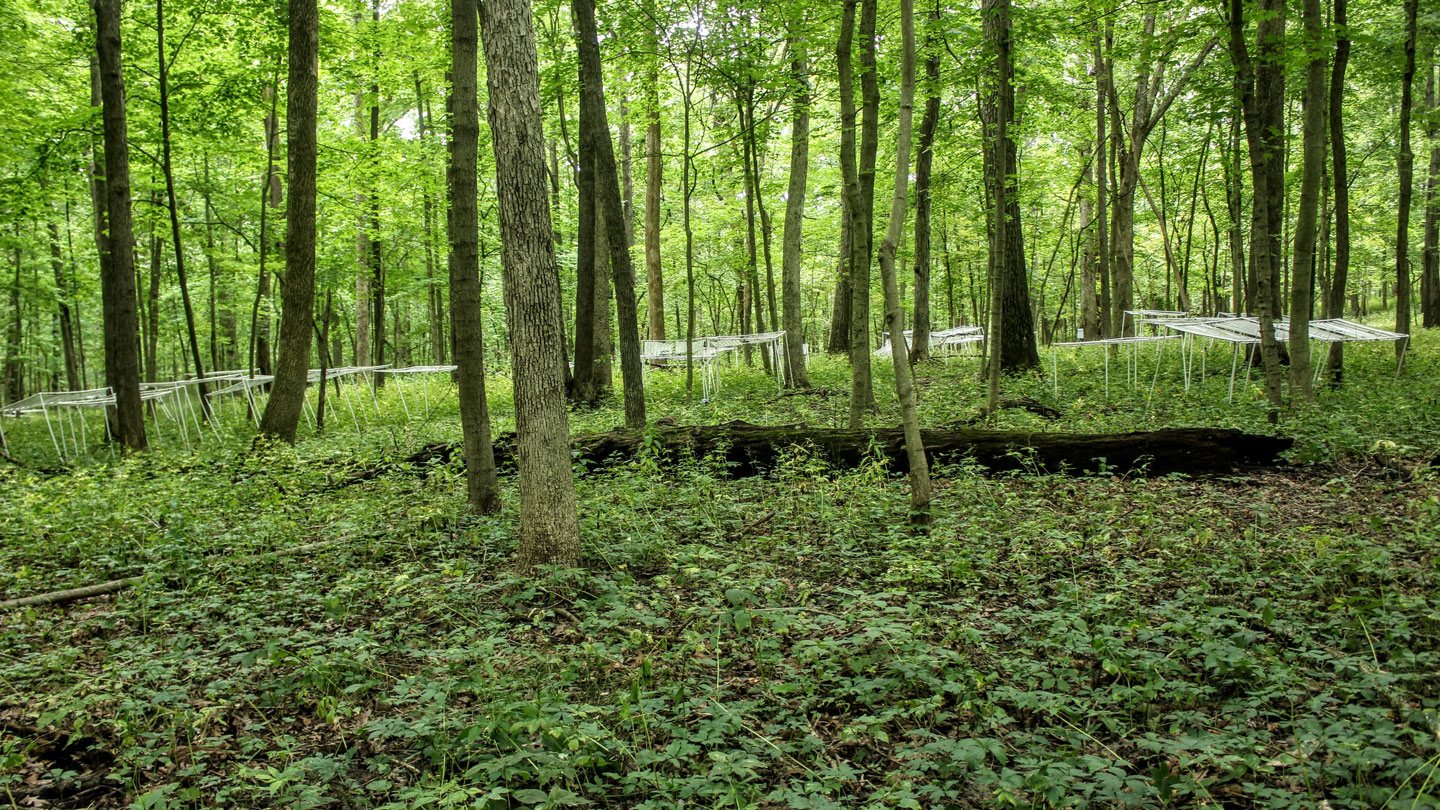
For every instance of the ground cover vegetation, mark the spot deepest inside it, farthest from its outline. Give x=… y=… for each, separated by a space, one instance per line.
x=1266 y=639
x=545 y=218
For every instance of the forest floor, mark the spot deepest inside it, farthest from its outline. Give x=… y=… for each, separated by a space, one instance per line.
x=1269 y=638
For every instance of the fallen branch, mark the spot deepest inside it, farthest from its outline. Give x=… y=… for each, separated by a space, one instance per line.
x=115 y=585
x=752 y=449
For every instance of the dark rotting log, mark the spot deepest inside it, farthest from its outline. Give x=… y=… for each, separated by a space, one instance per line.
x=749 y=449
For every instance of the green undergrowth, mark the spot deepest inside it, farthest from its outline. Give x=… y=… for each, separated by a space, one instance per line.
x=1268 y=639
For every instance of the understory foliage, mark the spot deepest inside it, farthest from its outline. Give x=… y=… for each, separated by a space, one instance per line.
x=1267 y=639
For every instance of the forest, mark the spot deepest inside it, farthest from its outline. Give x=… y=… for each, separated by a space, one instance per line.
x=719 y=403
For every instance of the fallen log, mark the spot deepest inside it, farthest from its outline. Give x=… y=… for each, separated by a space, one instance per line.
x=751 y=449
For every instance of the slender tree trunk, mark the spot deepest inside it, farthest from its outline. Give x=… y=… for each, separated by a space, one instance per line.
x=377 y=264
x=1430 y=272
x=66 y=322
x=117 y=260
x=1102 y=218
x=792 y=256
x=924 y=156
x=862 y=220
x=270 y=197
x=434 y=298
x=894 y=319
x=592 y=101
x=549 y=521
x=1302 y=281
x=654 y=177
x=292 y=362
x=1235 y=209
x=14 y=379
x=466 y=321
x=1263 y=100
x=168 y=166
x=585 y=387
x=363 y=329
x=859 y=253
x=995 y=117
x=688 y=191
x=1406 y=165
x=839 y=340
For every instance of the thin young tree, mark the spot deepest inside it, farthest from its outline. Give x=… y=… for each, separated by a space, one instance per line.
x=1302 y=293
x=482 y=487
x=792 y=256
x=117 y=255
x=607 y=183
x=654 y=178
x=292 y=361
x=924 y=160
x=549 y=521
x=894 y=318
x=1406 y=166
x=167 y=165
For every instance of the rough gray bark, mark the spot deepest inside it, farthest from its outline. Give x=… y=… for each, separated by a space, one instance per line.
x=292 y=361
x=592 y=103
x=549 y=522
x=585 y=387
x=117 y=261
x=1302 y=292
x=1012 y=333
x=839 y=340
x=792 y=256
x=862 y=219
x=67 y=323
x=919 y=469
x=466 y=325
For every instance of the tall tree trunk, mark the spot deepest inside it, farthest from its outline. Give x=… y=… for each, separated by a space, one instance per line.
x=1406 y=170
x=14 y=378
x=466 y=324
x=585 y=387
x=117 y=260
x=1102 y=219
x=152 y=308
x=1013 y=326
x=1430 y=272
x=1263 y=100
x=859 y=247
x=168 y=165
x=377 y=265
x=270 y=197
x=363 y=329
x=654 y=176
x=1235 y=208
x=62 y=300
x=894 y=317
x=1302 y=292
x=549 y=522
x=688 y=191
x=792 y=256
x=995 y=119
x=862 y=219
x=924 y=156
x=839 y=340
x=752 y=271
x=434 y=299
x=292 y=361
x=592 y=102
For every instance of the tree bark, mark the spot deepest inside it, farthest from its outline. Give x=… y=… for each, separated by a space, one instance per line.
x=1406 y=166
x=363 y=329
x=862 y=219
x=654 y=177
x=859 y=247
x=292 y=362
x=924 y=157
x=549 y=522
x=592 y=103
x=1430 y=266
x=434 y=298
x=1302 y=292
x=792 y=257
x=168 y=166
x=117 y=260
x=919 y=469
x=1262 y=90
x=466 y=323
